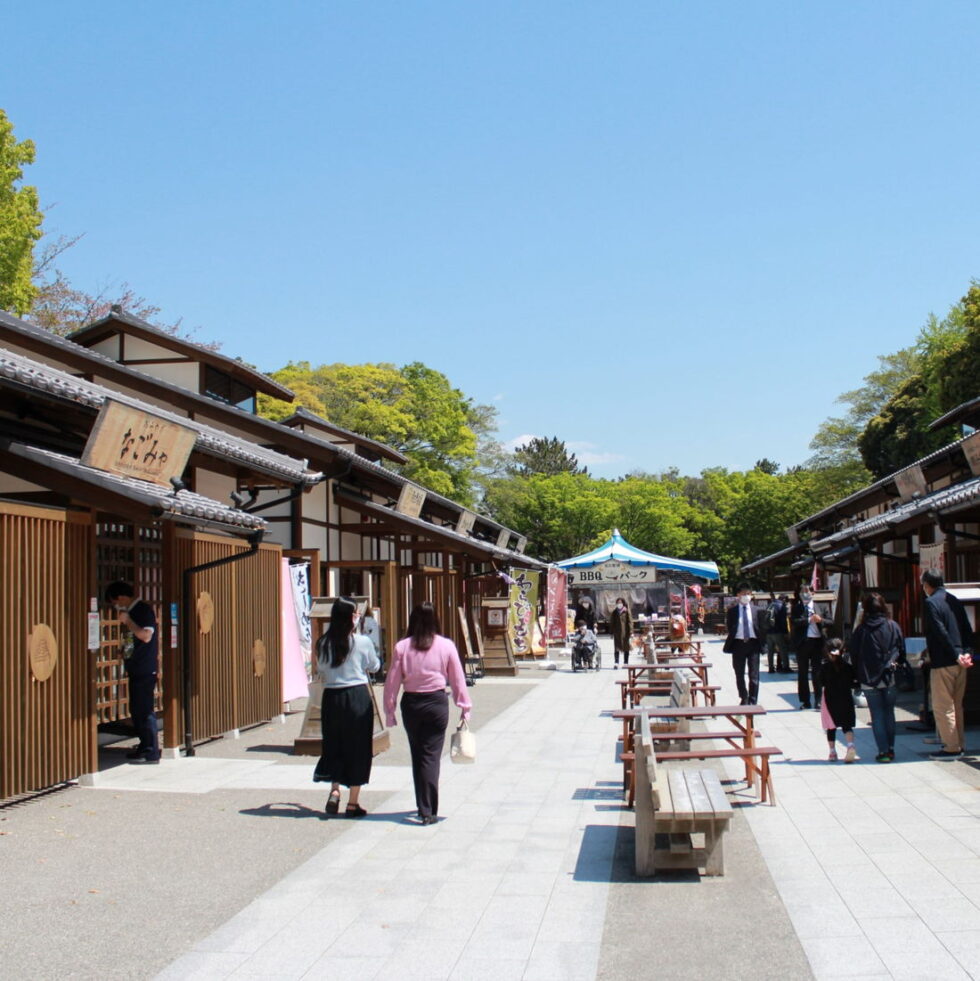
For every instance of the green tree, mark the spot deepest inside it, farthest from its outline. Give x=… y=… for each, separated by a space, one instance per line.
x=959 y=373
x=545 y=455
x=414 y=409
x=20 y=222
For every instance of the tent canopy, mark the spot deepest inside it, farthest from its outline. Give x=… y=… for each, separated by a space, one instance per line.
x=618 y=549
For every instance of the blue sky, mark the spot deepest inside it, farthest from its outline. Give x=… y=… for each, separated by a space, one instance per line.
x=668 y=233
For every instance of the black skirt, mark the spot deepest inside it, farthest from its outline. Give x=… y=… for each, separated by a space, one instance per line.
x=347 y=724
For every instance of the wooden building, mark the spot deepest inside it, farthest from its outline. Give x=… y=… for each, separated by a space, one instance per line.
x=250 y=487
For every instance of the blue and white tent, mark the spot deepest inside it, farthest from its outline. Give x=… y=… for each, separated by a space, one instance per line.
x=617 y=549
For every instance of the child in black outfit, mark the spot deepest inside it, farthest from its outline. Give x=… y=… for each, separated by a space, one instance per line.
x=839 y=681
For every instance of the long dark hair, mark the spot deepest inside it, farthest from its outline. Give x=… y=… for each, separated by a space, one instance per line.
x=423 y=625
x=336 y=640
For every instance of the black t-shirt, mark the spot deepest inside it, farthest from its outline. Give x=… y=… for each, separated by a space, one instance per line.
x=143 y=659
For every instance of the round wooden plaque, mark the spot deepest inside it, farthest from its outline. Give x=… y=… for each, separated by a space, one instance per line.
x=205 y=613
x=43 y=649
x=258 y=658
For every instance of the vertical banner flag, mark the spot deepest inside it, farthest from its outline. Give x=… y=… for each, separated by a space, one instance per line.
x=557 y=605
x=299 y=575
x=523 y=607
x=294 y=671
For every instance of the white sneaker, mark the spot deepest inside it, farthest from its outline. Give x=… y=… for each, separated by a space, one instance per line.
x=832 y=756
x=850 y=756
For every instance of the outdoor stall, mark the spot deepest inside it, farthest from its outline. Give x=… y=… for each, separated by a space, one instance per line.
x=653 y=585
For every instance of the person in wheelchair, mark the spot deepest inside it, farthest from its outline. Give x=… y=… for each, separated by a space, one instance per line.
x=585 y=647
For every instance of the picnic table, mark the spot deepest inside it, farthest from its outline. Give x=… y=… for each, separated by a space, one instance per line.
x=740 y=738
x=635 y=687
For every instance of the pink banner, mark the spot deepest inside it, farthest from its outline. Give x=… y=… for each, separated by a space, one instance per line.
x=557 y=603
x=295 y=684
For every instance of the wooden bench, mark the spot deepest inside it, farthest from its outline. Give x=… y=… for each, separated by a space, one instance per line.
x=748 y=755
x=676 y=804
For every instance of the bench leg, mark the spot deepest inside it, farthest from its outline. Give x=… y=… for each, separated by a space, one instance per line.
x=714 y=842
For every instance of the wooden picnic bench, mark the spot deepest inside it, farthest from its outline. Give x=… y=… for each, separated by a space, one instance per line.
x=741 y=742
x=661 y=682
x=671 y=806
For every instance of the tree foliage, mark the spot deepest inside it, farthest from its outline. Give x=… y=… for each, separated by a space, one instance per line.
x=20 y=222
x=545 y=455
x=414 y=409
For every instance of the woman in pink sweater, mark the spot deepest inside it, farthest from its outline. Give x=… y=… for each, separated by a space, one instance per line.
x=424 y=663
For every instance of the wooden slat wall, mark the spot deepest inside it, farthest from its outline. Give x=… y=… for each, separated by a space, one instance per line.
x=227 y=694
x=47 y=729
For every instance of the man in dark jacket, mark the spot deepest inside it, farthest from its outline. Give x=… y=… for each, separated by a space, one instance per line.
x=777 y=634
x=746 y=635
x=141 y=650
x=949 y=639
x=808 y=636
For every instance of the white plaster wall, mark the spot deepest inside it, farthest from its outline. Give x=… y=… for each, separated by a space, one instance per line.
x=214 y=485
x=137 y=347
x=315 y=537
x=185 y=375
x=109 y=347
x=14 y=485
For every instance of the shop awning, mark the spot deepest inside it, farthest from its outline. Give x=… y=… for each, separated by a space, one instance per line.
x=619 y=550
x=392 y=522
x=126 y=496
x=783 y=555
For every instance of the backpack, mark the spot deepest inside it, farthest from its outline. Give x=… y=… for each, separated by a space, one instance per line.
x=770 y=617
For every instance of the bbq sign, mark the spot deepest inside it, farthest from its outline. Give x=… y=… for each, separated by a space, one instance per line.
x=611 y=573
x=133 y=443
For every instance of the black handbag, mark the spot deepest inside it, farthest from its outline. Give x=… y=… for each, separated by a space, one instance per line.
x=904 y=677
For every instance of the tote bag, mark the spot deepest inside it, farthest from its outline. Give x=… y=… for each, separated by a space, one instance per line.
x=462 y=746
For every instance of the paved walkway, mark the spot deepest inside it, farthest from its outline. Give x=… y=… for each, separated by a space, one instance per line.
x=876 y=868
x=511 y=884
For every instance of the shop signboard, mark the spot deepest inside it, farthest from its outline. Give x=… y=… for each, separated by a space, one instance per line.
x=612 y=573
x=410 y=501
x=503 y=539
x=521 y=544
x=910 y=482
x=464 y=524
x=971 y=449
x=557 y=604
x=523 y=607
x=133 y=443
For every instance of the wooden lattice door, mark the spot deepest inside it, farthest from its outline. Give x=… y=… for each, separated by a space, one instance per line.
x=133 y=553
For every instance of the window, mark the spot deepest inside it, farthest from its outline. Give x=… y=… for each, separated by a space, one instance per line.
x=224 y=388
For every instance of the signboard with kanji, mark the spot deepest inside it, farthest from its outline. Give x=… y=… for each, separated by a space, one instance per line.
x=133 y=443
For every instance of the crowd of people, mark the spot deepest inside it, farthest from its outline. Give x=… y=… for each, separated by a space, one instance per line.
x=830 y=673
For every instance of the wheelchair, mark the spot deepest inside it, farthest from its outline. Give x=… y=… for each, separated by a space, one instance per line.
x=586 y=657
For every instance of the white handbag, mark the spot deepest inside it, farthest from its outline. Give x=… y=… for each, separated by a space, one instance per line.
x=462 y=746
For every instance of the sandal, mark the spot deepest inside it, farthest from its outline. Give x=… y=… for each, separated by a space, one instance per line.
x=333 y=802
x=355 y=811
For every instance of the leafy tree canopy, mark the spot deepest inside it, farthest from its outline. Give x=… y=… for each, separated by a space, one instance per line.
x=546 y=456
x=414 y=409
x=20 y=222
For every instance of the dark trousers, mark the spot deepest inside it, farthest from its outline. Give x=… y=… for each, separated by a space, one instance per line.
x=809 y=657
x=141 y=691
x=746 y=654
x=426 y=716
x=625 y=651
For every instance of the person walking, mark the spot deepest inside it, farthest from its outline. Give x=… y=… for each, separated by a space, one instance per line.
x=141 y=652
x=746 y=634
x=949 y=639
x=807 y=641
x=837 y=682
x=424 y=663
x=344 y=660
x=876 y=646
x=777 y=634
x=621 y=627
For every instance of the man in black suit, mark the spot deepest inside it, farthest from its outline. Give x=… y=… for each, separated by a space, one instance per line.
x=746 y=634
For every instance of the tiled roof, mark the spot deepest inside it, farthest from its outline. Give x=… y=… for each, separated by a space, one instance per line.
x=52 y=381
x=965 y=493
x=183 y=504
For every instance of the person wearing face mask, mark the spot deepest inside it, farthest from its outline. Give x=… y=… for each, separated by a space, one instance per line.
x=621 y=627
x=746 y=634
x=809 y=634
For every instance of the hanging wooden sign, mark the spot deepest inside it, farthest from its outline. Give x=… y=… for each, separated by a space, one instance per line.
x=971 y=450
x=910 y=482
x=133 y=443
x=42 y=651
x=410 y=501
x=503 y=539
x=465 y=522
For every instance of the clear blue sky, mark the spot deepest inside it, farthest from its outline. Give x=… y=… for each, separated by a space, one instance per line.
x=668 y=233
